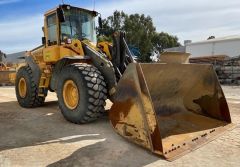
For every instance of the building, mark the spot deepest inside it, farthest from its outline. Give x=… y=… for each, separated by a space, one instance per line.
x=223 y=53
x=179 y=48
x=176 y=49
x=229 y=46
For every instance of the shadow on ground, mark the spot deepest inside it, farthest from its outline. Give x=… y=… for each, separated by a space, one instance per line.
x=101 y=154
x=21 y=127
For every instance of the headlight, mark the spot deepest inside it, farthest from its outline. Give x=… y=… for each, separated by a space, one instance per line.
x=69 y=41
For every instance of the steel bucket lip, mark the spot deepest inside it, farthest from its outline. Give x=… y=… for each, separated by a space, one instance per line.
x=226 y=129
x=228 y=125
x=170 y=156
x=174 y=157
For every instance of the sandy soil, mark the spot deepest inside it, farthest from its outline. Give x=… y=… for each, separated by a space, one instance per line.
x=41 y=137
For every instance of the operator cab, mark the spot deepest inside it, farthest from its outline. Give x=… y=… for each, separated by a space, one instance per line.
x=66 y=23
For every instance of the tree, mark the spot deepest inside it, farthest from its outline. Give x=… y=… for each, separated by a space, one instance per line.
x=164 y=40
x=2 y=55
x=113 y=23
x=140 y=33
x=211 y=37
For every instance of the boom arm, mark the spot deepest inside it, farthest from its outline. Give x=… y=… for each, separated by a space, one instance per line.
x=121 y=55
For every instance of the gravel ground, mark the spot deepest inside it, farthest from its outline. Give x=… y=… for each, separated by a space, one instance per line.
x=41 y=137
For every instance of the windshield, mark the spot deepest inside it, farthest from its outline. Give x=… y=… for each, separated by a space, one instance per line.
x=78 y=24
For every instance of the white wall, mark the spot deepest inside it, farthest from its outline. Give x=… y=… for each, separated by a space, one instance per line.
x=228 y=47
x=197 y=50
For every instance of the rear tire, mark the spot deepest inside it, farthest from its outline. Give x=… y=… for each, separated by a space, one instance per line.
x=26 y=89
x=87 y=86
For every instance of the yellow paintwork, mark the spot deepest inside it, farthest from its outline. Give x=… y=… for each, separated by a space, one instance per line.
x=75 y=46
x=44 y=81
x=12 y=77
x=46 y=28
x=70 y=94
x=91 y=44
x=22 y=87
x=161 y=111
x=12 y=74
x=7 y=73
x=105 y=48
x=49 y=54
x=54 y=53
x=172 y=110
x=3 y=67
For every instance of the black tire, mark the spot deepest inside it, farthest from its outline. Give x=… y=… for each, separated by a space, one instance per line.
x=31 y=99
x=93 y=93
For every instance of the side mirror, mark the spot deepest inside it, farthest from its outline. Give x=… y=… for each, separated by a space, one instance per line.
x=44 y=41
x=100 y=22
x=60 y=15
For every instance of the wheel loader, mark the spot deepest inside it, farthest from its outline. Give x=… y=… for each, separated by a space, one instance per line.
x=5 y=74
x=169 y=108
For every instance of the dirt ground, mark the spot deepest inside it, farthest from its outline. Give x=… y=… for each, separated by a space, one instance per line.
x=41 y=137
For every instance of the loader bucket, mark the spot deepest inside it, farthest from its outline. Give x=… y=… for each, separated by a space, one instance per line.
x=5 y=77
x=170 y=109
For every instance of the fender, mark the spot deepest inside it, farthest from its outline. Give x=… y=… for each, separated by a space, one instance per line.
x=35 y=69
x=57 y=68
x=104 y=66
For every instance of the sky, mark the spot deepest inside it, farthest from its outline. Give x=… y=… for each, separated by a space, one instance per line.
x=21 y=20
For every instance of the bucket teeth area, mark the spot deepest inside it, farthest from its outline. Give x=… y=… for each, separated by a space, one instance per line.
x=170 y=109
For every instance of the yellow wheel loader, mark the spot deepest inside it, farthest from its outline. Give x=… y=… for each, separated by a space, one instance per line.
x=5 y=74
x=169 y=108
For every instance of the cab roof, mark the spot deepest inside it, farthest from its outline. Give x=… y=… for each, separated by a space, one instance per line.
x=66 y=5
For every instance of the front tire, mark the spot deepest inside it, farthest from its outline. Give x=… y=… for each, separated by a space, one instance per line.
x=81 y=93
x=26 y=89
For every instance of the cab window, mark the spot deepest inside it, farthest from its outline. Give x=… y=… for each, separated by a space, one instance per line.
x=52 y=29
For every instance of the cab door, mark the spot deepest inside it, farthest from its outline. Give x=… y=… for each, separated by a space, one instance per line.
x=51 y=51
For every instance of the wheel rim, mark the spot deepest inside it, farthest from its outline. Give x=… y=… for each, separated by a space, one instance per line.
x=70 y=94
x=22 y=88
